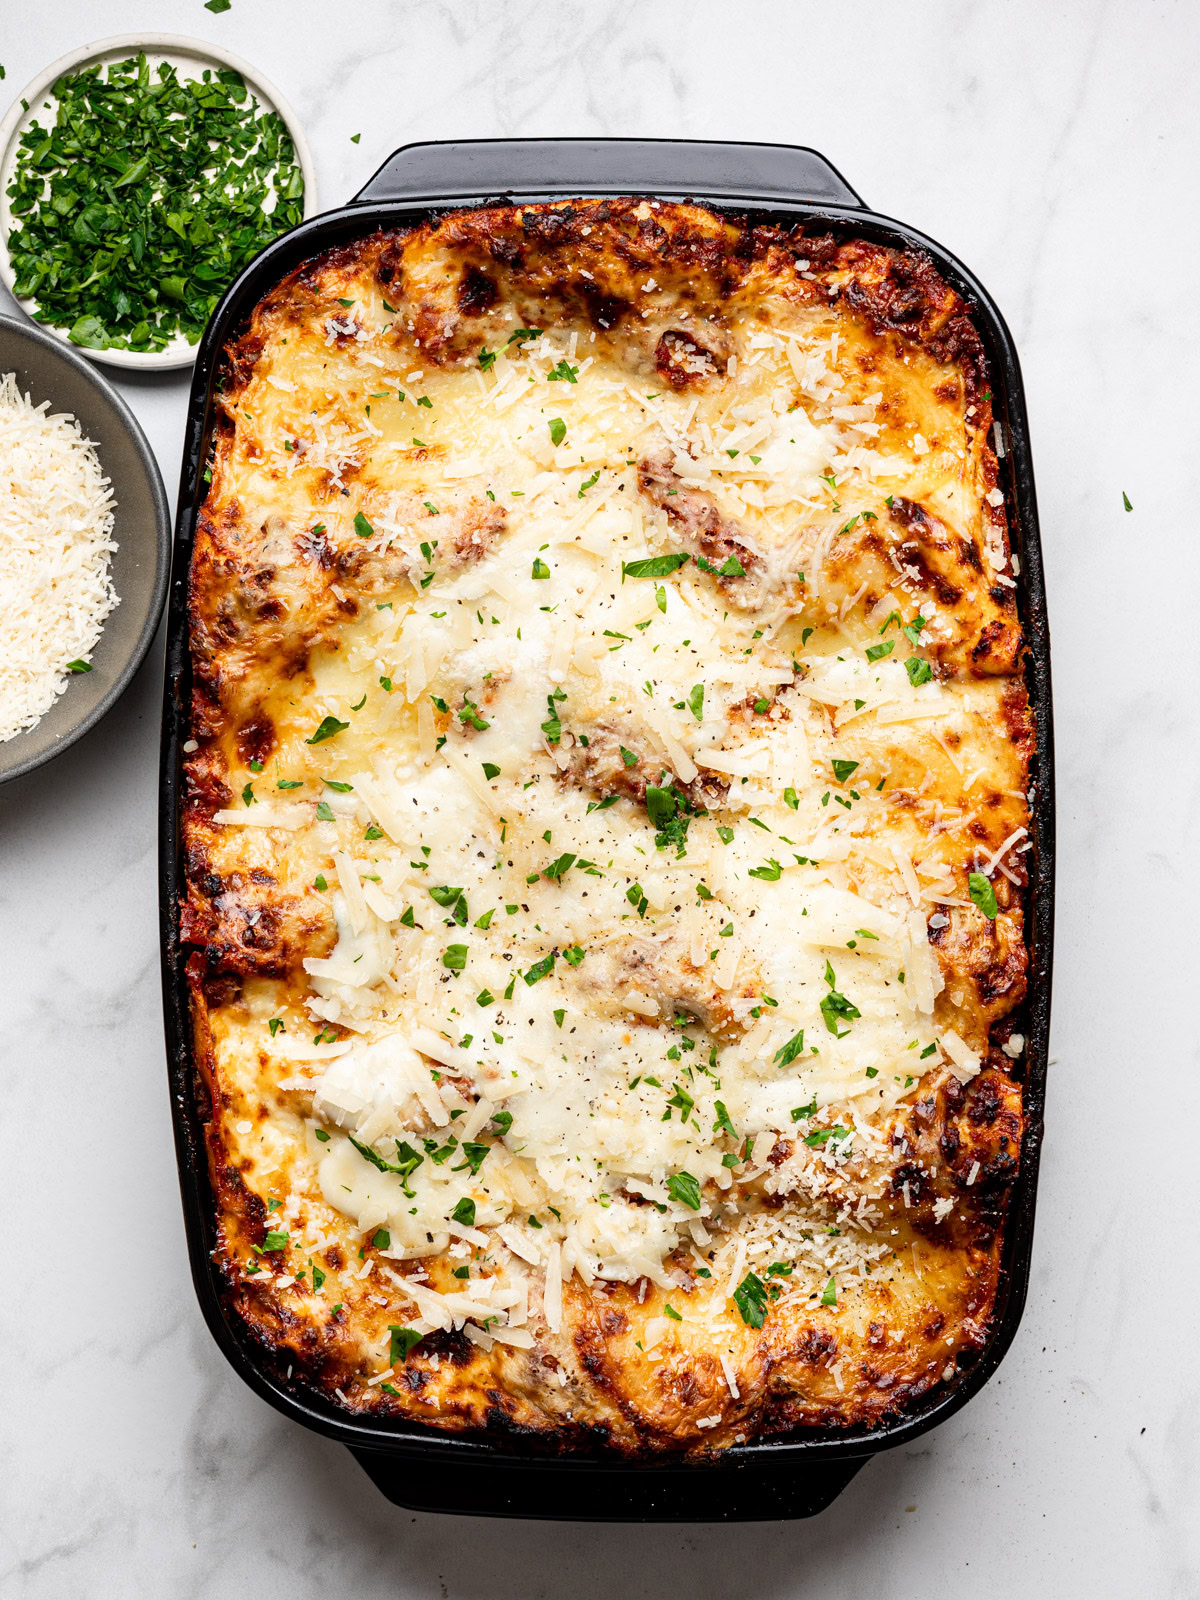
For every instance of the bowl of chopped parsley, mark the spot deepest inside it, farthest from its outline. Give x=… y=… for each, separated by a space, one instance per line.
x=138 y=176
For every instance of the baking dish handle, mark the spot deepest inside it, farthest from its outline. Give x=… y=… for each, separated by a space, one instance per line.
x=466 y=169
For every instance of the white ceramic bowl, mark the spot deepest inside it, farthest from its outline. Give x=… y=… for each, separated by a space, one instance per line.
x=190 y=57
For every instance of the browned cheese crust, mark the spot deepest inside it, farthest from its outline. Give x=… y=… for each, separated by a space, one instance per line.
x=362 y=386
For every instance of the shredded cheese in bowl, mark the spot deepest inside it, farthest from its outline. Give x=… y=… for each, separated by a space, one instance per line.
x=56 y=523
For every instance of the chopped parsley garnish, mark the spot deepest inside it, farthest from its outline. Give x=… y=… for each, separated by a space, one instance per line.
x=669 y=811
x=490 y=770
x=144 y=200
x=695 y=702
x=540 y=569
x=843 y=769
x=564 y=372
x=731 y=567
x=406 y=1163
x=876 y=652
x=362 y=527
x=541 y=969
x=769 y=872
x=829 y=1294
x=455 y=958
x=324 y=811
x=328 y=728
x=787 y=1053
x=750 y=1297
x=838 y=1135
x=681 y=1101
x=464 y=1212
x=79 y=666
x=835 y=1005
x=552 y=727
x=402 y=1341
x=558 y=430
x=919 y=671
x=982 y=894
x=655 y=566
x=475 y=1154
x=681 y=1186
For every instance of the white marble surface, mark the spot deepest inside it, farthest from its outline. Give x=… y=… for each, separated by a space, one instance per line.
x=1054 y=147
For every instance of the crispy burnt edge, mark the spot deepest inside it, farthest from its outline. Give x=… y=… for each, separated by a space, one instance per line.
x=898 y=292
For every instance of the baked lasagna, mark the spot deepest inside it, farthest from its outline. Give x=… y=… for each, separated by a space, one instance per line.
x=606 y=828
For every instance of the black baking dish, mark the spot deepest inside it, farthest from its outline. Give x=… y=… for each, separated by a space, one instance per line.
x=415 y=1466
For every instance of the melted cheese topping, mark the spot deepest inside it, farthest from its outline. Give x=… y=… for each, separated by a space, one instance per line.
x=627 y=862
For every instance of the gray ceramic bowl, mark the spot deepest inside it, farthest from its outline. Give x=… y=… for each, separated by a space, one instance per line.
x=142 y=560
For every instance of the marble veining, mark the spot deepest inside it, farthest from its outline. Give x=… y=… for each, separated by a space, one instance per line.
x=1054 y=149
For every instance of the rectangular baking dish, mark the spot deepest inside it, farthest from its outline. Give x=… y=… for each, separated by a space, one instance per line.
x=418 y=1467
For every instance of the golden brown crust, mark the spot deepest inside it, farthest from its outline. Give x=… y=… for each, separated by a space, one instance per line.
x=667 y=292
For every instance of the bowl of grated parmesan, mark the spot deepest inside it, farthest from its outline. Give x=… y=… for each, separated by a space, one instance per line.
x=85 y=547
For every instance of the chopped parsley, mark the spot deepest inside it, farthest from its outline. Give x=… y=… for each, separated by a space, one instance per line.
x=681 y=1186
x=835 y=1005
x=144 y=200
x=655 y=566
x=787 y=1053
x=750 y=1297
x=328 y=728
x=402 y=1341
x=731 y=567
x=982 y=894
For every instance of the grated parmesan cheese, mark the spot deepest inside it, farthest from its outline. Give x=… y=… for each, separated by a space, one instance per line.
x=56 y=523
